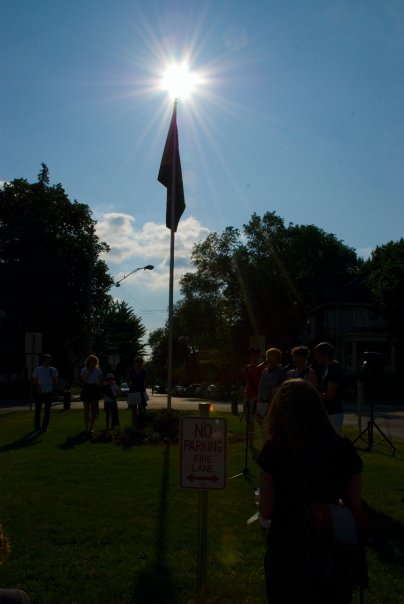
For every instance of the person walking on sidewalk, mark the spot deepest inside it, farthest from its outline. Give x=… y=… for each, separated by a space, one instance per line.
x=44 y=379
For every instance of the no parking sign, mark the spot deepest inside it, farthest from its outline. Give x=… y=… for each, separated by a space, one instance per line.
x=203 y=453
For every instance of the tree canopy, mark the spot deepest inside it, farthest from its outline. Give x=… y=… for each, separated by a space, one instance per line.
x=53 y=278
x=385 y=277
x=260 y=281
x=119 y=334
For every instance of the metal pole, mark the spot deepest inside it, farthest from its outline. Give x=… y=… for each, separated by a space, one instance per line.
x=359 y=390
x=171 y=284
x=202 y=530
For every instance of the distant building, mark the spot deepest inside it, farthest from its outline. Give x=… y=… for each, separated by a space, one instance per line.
x=348 y=318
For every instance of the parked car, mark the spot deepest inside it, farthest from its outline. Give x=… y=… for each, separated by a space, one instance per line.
x=192 y=388
x=159 y=389
x=180 y=391
x=124 y=389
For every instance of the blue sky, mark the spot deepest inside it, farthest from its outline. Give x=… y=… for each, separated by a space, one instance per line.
x=300 y=111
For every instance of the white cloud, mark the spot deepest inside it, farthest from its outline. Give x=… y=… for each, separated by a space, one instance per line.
x=150 y=244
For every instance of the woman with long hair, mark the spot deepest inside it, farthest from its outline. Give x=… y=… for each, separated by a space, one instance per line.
x=91 y=376
x=305 y=466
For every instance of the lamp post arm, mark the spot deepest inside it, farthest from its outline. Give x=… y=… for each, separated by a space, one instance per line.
x=148 y=267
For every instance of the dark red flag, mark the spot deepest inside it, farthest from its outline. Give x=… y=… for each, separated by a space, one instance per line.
x=170 y=174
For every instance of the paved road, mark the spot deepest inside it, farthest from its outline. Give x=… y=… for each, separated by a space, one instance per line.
x=388 y=417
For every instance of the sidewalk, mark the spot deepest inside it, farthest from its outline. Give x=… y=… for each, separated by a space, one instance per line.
x=388 y=417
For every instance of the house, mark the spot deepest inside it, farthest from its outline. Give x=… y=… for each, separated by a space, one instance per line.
x=348 y=318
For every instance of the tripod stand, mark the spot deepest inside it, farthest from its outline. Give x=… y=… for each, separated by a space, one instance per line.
x=370 y=432
x=246 y=471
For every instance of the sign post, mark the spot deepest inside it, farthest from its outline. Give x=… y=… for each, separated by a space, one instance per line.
x=203 y=467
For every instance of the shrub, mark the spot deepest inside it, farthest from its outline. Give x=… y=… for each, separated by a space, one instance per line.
x=166 y=423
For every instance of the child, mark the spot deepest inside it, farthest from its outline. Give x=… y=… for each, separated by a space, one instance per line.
x=111 y=392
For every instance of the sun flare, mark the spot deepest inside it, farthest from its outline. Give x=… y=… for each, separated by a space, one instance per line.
x=179 y=81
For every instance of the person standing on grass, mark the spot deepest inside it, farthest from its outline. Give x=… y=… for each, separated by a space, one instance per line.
x=252 y=376
x=331 y=384
x=302 y=370
x=44 y=379
x=272 y=377
x=111 y=392
x=137 y=396
x=91 y=377
x=308 y=473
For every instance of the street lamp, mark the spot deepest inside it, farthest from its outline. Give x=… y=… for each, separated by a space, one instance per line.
x=148 y=267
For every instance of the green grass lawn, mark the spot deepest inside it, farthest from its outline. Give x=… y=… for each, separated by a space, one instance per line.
x=96 y=522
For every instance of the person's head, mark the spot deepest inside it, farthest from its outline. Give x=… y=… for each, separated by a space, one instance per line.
x=300 y=355
x=296 y=416
x=324 y=353
x=46 y=359
x=110 y=378
x=273 y=357
x=92 y=361
x=138 y=362
x=253 y=355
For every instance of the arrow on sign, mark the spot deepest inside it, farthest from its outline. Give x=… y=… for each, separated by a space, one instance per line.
x=213 y=478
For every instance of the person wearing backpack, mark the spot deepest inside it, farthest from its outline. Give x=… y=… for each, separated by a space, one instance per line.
x=310 y=490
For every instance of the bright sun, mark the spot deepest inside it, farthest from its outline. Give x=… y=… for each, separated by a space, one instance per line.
x=179 y=81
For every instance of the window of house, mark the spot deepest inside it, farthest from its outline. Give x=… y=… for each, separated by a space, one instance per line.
x=360 y=317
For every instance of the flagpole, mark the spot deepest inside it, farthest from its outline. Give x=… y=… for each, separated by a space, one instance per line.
x=171 y=283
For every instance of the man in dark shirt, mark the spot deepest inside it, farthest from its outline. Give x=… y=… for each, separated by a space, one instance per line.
x=331 y=383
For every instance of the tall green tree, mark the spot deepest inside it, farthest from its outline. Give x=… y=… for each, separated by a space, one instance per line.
x=258 y=281
x=53 y=279
x=120 y=333
x=385 y=277
x=183 y=352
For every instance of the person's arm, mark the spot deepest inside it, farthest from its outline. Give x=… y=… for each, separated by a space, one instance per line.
x=261 y=385
x=331 y=391
x=267 y=495
x=312 y=378
x=354 y=502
